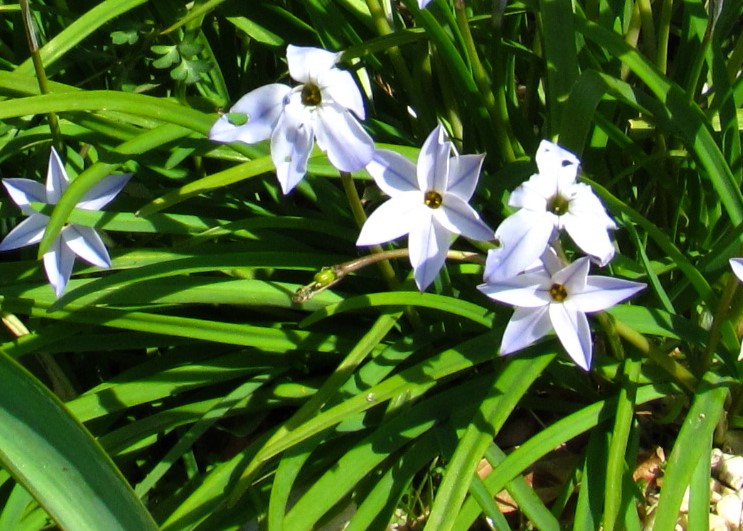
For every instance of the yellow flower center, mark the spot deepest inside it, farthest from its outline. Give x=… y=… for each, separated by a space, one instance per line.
x=558 y=205
x=432 y=199
x=558 y=292
x=311 y=95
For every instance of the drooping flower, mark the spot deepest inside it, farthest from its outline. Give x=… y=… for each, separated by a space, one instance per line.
x=429 y=202
x=322 y=108
x=550 y=201
x=73 y=239
x=737 y=266
x=557 y=297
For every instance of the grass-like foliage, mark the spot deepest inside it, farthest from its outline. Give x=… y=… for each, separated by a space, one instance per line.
x=244 y=361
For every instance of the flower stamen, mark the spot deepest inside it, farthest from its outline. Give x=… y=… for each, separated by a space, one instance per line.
x=311 y=95
x=432 y=199
x=558 y=292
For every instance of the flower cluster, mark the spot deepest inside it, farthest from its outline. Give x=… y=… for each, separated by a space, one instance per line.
x=428 y=202
x=525 y=271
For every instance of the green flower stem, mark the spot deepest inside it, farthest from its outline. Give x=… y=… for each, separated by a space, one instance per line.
x=721 y=314
x=33 y=46
x=494 y=99
x=680 y=373
x=664 y=34
x=383 y=28
x=354 y=201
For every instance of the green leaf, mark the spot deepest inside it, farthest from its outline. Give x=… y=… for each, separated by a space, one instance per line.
x=57 y=460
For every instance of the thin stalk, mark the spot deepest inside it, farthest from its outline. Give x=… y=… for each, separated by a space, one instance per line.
x=680 y=373
x=383 y=28
x=664 y=34
x=494 y=98
x=354 y=202
x=33 y=46
x=329 y=276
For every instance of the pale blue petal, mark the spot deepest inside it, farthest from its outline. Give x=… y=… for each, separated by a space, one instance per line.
x=348 y=146
x=23 y=192
x=87 y=244
x=339 y=87
x=460 y=218
x=423 y=3
x=601 y=293
x=464 y=171
x=560 y=163
x=392 y=172
x=58 y=262
x=737 y=265
x=433 y=162
x=262 y=108
x=56 y=178
x=308 y=64
x=428 y=243
x=571 y=327
x=28 y=232
x=523 y=238
x=104 y=191
x=573 y=276
x=291 y=144
x=534 y=193
x=530 y=290
x=527 y=325
x=392 y=219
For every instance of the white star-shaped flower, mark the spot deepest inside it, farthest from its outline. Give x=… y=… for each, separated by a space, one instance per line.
x=423 y=3
x=429 y=202
x=322 y=108
x=737 y=265
x=556 y=297
x=73 y=239
x=550 y=201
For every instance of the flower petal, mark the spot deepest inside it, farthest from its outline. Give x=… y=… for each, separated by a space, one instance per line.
x=348 y=146
x=291 y=144
x=428 y=243
x=308 y=64
x=58 y=262
x=433 y=162
x=526 y=326
x=523 y=238
x=261 y=107
x=104 y=191
x=460 y=218
x=573 y=276
x=56 y=178
x=589 y=234
x=392 y=219
x=530 y=290
x=423 y=3
x=464 y=171
x=571 y=327
x=392 y=172
x=340 y=87
x=23 y=192
x=534 y=193
x=556 y=161
x=737 y=265
x=87 y=244
x=601 y=293
x=28 y=232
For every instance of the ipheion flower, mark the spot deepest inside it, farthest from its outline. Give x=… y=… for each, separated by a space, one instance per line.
x=550 y=201
x=555 y=297
x=429 y=202
x=321 y=109
x=737 y=266
x=73 y=239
